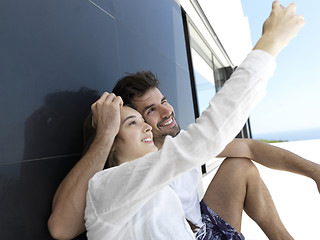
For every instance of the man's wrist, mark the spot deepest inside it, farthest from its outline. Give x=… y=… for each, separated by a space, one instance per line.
x=105 y=136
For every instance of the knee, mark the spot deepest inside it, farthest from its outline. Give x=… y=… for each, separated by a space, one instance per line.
x=241 y=166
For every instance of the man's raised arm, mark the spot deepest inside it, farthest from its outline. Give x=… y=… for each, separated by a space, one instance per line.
x=67 y=217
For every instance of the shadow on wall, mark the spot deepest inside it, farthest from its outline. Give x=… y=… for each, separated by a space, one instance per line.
x=57 y=125
x=53 y=144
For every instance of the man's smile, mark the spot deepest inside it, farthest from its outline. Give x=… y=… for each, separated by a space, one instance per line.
x=170 y=122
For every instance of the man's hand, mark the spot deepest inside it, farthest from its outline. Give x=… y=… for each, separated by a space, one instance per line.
x=106 y=114
x=281 y=26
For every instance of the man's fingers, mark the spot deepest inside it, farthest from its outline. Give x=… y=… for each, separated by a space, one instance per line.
x=118 y=100
x=104 y=96
x=101 y=100
x=110 y=98
x=107 y=98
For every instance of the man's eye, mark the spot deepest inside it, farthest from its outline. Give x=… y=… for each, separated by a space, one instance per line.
x=164 y=101
x=150 y=110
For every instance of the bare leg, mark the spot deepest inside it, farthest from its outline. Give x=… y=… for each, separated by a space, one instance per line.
x=237 y=186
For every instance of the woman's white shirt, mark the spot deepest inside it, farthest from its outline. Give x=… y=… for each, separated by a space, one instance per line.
x=140 y=199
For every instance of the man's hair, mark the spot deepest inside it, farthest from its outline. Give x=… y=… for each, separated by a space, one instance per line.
x=127 y=87
x=135 y=85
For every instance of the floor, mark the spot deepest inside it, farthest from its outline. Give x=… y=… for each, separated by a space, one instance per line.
x=296 y=197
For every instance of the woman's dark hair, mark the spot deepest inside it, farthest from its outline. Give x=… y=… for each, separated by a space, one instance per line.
x=127 y=87
x=89 y=133
x=135 y=85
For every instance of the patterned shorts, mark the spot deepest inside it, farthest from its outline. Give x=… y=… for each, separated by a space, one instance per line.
x=215 y=228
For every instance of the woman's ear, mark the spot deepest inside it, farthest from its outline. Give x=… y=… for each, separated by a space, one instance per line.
x=114 y=155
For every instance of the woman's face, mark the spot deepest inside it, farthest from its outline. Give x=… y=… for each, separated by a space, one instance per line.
x=135 y=138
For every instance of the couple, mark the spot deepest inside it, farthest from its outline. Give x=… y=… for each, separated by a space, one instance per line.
x=149 y=194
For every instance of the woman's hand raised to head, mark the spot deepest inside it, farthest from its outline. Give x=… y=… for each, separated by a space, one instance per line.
x=106 y=114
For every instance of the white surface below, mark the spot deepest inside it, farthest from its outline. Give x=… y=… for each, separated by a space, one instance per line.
x=296 y=197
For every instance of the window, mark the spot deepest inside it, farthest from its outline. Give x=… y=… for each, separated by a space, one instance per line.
x=204 y=80
x=208 y=73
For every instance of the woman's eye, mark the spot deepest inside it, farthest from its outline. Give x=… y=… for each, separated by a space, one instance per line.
x=132 y=123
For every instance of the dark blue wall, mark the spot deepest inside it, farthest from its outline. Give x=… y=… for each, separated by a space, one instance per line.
x=56 y=58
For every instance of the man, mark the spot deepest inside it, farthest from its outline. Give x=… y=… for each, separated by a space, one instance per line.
x=237 y=185
x=226 y=194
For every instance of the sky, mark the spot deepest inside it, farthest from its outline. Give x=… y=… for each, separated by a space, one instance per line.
x=293 y=93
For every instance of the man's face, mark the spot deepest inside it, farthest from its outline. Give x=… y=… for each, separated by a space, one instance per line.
x=158 y=113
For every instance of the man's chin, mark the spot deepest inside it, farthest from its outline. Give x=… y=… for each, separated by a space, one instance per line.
x=162 y=133
x=174 y=131
x=177 y=130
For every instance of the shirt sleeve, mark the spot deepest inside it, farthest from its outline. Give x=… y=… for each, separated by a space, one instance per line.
x=116 y=194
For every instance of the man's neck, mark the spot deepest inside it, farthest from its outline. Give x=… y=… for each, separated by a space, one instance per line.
x=159 y=142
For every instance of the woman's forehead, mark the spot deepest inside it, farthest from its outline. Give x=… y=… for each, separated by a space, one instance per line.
x=129 y=111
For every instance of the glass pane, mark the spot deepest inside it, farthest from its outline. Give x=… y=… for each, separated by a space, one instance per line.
x=204 y=80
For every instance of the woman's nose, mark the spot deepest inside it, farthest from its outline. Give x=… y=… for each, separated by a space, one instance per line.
x=147 y=127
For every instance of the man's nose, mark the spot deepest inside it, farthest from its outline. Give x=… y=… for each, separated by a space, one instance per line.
x=165 y=111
